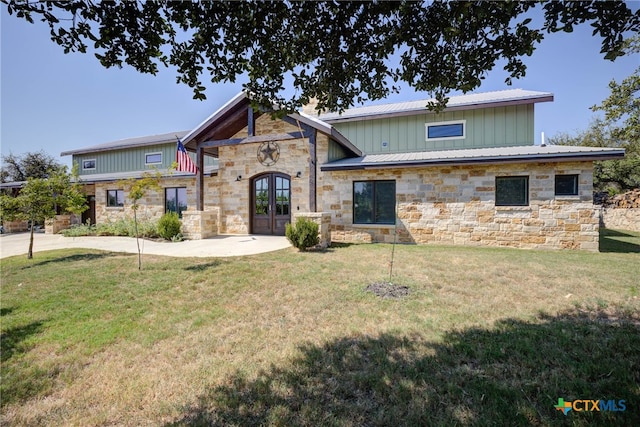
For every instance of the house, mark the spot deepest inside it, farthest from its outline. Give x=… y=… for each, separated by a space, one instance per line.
x=469 y=175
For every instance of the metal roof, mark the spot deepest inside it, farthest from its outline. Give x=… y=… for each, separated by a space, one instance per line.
x=518 y=154
x=165 y=173
x=129 y=143
x=460 y=102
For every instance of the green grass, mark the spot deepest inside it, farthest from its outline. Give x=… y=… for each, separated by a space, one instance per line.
x=485 y=337
x=619 y=241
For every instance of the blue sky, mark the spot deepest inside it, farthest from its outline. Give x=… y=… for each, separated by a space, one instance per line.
x=59 y=102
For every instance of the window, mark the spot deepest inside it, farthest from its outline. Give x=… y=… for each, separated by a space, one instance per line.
x=566 y=185
x=446 y=130
x=374 y=202
x=175 y=200
x=89 y=164
x=152 y=158
x=512 y=191
x=115 y=198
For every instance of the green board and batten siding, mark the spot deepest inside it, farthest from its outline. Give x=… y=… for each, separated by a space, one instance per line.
x=131 y=159
x=485 y=127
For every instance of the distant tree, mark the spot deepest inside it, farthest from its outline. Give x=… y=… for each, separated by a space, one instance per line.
x=138 y=188
x=337 y=52
x=622 y=107
x=619 y=128
x=40 y=199
x=36 y=164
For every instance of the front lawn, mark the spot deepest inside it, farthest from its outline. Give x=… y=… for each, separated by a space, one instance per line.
x=484 y=337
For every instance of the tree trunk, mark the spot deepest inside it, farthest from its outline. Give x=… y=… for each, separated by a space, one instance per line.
x=135 y=224
x=30 y=253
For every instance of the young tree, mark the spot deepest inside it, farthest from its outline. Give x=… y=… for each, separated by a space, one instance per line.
x=337 y=52
x=138 y=188
x=40 y=199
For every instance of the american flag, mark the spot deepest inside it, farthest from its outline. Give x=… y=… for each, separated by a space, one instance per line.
x=185 y=164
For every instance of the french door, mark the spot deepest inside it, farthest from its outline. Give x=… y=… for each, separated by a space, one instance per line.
x=270 y=203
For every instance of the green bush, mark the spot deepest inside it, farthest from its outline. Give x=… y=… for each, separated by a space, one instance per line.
x=169 y=225
x=304 y=234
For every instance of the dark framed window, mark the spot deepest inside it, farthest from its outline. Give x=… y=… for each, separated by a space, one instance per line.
x=566 y=185
x=115 y=198
x=512 y=191
x=374 y=202
x=446 y=130
x=175 y=200
x=152 y=158
x=89 y=164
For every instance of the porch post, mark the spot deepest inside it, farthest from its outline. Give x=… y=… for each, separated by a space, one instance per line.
x=312 y=170
x=199 y=178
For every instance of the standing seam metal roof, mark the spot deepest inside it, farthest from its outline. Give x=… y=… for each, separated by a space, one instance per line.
x=455 y=102
x=476 y=155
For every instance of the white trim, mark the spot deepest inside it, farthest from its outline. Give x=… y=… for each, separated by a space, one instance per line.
x=152 y=154
x=89 y=160
x=445 y=138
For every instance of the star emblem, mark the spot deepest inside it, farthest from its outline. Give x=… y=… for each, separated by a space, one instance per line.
x=268 y=153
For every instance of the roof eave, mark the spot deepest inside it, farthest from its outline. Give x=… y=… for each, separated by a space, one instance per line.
x=557 y=157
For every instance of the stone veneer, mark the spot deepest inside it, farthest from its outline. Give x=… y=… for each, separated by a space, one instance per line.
x=242 y=161
x=151 y=206
x=200 y=224
x=60 y=222
x=456 y=205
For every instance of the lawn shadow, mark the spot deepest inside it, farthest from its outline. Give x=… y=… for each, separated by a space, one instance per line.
x=512 y=374
x=74 y=258
x=618 y=241
x=6 y=311
x=204 y=266
x=11 y=340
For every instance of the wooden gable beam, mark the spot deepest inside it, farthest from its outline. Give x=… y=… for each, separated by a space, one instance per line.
x=253 y=139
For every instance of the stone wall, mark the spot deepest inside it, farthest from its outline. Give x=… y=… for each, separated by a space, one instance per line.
x=57 y=224
x=456 y=205
x=151 y=206
x=242 y=161
x=620 y=218
x=15 y=226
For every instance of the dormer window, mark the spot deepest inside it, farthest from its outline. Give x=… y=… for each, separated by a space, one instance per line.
x=446 y=130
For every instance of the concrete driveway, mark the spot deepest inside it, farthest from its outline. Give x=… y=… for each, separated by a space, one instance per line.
x=219 y=246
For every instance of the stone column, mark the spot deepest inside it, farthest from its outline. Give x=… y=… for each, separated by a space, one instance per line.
x=323 y=219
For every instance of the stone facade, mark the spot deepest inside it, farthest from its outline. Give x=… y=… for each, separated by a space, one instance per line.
x=456 y=205
x=151 y=206
x=241 y=161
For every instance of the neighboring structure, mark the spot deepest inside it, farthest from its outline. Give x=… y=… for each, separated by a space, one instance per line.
x=469 y=175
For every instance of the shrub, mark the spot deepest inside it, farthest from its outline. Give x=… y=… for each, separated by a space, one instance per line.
x=304 y=234
x=126 y=227
x=78 y=230
x=169 y=225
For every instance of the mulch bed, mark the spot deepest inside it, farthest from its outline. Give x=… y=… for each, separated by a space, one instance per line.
x=388 y=290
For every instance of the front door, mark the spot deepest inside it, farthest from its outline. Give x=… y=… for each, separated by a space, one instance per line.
x=270 y=203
